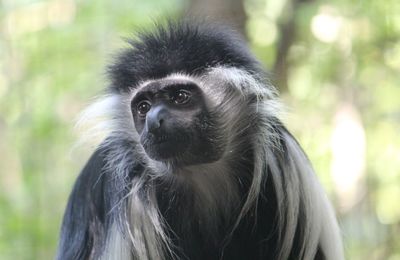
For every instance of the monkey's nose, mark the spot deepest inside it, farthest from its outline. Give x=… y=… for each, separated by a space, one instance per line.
x=155 y=126
x=155 y=120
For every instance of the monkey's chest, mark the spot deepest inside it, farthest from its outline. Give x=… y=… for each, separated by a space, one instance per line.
x=197 y=236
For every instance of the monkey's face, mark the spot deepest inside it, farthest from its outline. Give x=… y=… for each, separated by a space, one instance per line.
x=174 y=123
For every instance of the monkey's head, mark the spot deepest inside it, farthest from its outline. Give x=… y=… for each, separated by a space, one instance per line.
x=174 y=122
x=191 y=89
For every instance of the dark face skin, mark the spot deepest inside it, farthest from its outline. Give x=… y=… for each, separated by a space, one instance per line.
x=174 y=124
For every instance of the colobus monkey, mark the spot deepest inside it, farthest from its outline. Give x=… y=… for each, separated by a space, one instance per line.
x=194 y=163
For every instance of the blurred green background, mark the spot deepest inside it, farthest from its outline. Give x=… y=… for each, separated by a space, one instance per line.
x=336 y=64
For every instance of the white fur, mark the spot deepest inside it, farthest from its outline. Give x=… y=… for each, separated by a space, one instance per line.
x=117 y=246
x=227 y=89
x=105 y=118
x=321 y=225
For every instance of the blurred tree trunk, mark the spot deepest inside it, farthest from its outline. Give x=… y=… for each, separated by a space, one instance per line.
x=230 y=12
x=287 y=35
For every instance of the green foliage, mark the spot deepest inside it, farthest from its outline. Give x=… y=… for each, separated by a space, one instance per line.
x=345 y=57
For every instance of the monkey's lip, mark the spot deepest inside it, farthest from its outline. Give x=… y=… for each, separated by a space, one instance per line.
x=162 y=139
x=166 y=147
x=169 y=139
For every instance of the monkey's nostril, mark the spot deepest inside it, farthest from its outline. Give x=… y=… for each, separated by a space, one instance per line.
x=155 y=127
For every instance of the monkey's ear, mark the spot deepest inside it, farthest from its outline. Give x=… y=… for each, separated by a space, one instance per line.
x=84 y=215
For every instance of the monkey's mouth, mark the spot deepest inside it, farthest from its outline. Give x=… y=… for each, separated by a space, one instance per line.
x=164 y=139
x=166 y=147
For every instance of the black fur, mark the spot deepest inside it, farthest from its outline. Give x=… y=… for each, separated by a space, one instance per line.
x=179 y=47
x=84 y=220
x=97 y=199
x=92 y=206
x=90 y=211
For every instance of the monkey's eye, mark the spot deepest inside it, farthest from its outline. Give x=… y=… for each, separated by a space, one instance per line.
x=143 y=107
x=180 y=97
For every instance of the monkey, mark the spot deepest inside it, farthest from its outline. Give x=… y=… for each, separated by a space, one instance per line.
x=193 y=160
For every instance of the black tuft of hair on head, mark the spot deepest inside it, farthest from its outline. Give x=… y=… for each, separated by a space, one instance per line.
x=184 y=47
